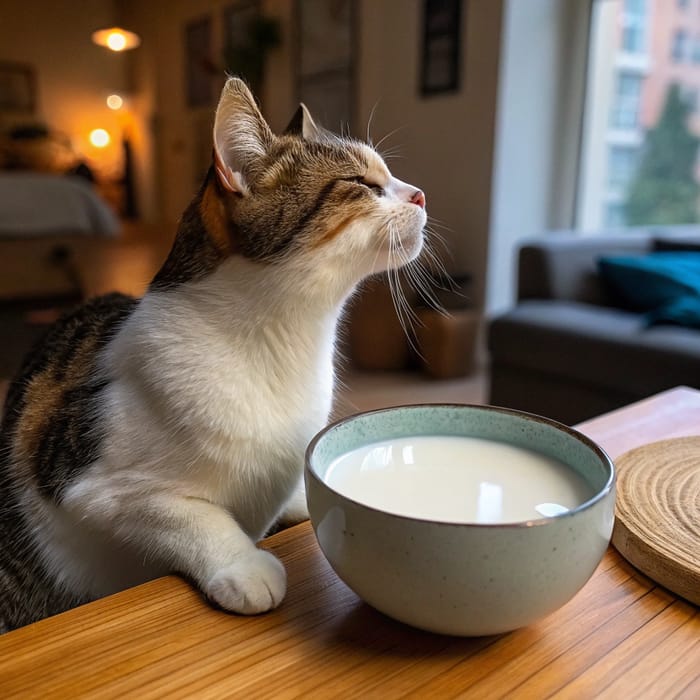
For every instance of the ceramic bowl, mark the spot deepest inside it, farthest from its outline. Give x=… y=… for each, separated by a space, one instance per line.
x=461 y=579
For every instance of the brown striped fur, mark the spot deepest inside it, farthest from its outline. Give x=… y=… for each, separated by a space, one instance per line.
x=49 y=434
x=294 y=198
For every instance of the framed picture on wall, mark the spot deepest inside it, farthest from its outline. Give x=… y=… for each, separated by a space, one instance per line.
x=238 y=19
x=441 y=46
x=325 y=60
x=249 y=37
x=17 y=87
x=199 y=65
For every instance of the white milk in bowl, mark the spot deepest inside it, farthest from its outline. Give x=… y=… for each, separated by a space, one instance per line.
x=457 y=480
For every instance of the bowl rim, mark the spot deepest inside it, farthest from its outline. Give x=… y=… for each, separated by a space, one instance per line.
x=535 y=522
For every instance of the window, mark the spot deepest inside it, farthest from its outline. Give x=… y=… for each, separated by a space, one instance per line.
x=626 y=101
x=622 y=163
x=634 y=26
x=679 y=46
x=614 y=216
x=639 y=160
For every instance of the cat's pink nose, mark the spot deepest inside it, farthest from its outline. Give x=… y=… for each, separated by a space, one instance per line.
x=418 y=198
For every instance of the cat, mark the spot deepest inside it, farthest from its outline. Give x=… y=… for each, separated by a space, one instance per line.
x=167 y=434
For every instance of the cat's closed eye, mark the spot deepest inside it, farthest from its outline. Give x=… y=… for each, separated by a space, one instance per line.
x=360 y=180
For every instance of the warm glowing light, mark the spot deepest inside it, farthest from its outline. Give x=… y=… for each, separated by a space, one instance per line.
x=99 y=138
x=116 y=39
x=115 y=102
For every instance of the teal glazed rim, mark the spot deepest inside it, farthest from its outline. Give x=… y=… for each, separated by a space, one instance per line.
x=591 y=445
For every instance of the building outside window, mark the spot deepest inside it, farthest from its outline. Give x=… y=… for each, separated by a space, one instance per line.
x=642 y=95
x=622 y=163
x=634 y=26
x=614 y=215
x=679 y=46
x=626 y=101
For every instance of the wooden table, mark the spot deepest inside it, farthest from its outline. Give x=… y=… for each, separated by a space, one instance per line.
x=620 y=637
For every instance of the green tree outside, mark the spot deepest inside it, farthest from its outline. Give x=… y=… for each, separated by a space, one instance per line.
x=664 y=189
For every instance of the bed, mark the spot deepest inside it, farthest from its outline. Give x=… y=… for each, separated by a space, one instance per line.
x=45 y=221
x=54 y=226
x=40 y=204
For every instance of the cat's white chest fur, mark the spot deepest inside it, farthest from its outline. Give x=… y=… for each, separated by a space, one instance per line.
x=218 y=386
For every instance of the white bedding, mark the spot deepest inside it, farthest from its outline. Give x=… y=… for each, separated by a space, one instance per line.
x=33 y=204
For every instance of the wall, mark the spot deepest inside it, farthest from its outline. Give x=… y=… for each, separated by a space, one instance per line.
x=172 y=135
x=445 y=141
x=600 y=85
x=540 y=106
x=74 y=76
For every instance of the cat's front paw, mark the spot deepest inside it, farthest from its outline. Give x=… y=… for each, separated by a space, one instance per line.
x=255 y=583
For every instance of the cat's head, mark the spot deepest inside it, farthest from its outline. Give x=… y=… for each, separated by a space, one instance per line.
x=306 y=195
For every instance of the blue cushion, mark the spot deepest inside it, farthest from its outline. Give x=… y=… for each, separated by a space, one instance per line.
x=683 y=311
x=646 y=282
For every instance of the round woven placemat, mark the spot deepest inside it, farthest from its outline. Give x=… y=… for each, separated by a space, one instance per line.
x=657 y=513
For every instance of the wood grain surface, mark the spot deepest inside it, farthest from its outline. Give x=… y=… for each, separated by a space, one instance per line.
x=622 y=636
x=657 y=513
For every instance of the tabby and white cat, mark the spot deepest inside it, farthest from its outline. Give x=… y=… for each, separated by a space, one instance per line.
x=167 y=434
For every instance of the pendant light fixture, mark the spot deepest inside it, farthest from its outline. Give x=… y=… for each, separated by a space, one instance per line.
x=116 y=39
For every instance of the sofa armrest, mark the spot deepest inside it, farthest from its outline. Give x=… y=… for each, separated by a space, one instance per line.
x=564 y=265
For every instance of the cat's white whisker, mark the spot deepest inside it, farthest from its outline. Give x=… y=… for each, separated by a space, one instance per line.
x=439 y=223
x=393 y=132
x=392 y=152
x=430 y=250
x=369 y=122
x=406 y=315
x=436 y=236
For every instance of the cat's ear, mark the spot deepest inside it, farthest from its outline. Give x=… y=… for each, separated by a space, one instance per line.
x=302 y=124
x=241 y=136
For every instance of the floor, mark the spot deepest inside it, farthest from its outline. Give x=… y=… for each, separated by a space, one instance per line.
x=363 y=391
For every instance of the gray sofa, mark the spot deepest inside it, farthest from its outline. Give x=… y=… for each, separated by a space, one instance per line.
x=565 y=351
